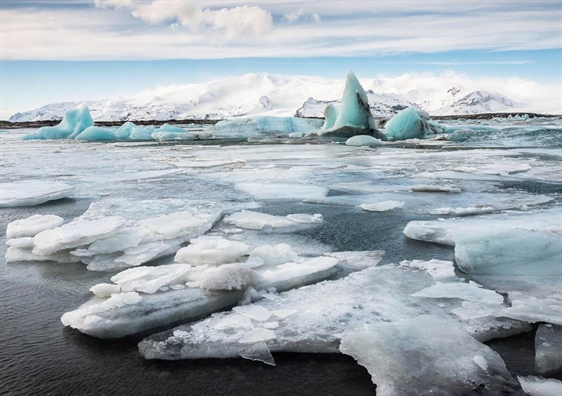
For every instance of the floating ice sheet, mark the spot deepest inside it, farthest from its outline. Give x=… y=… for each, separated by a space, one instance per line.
x=414 y=357
x=206 y=290
x=32 y=192
x=321 y=314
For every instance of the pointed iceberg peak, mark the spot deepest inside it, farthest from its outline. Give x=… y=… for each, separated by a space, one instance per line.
x=353 y=117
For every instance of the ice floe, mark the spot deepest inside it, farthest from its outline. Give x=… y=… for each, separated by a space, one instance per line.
x=258 y=221
x=32 y=192
x=170 y=293
x=117 y=233
x=321 y=314
x=537 y=386
x=414 y=357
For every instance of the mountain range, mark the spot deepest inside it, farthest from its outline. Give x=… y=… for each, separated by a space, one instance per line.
x=263 y=94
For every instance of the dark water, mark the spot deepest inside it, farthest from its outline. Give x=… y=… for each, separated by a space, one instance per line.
x=38 y=356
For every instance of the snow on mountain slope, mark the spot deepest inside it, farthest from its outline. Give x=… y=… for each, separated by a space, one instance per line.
x=261 y=94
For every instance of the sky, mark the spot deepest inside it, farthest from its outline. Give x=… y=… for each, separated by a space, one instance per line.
x=63 y=50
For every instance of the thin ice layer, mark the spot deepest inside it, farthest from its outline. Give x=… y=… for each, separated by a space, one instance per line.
x=425 y=355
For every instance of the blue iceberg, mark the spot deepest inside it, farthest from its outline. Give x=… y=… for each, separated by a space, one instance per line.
x=407 y=124
x=248 y=127
x=74 y=123
x=97 y=134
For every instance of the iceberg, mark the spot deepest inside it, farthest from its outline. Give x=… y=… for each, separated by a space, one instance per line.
x=74 y=122
x=407 y=124
x=97 y=134
x=170 y=128
x=171 y=293
x=32 y=192
x=353 y=117
x=415 y=357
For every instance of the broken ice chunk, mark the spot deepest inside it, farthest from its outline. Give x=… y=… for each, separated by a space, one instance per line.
x=257 y=221
x=33 y=225
x=548 y=348
x=382 y=206
x=234 y=322
x=230 y=278
x=254 y=312
x=212 y=250
x=21 y=243
x=105 y=289
x=150 y=279
x=440 y=270
x=274 y=255
x=305 y=218
x=537 y=386
x=124 y=239
x=462 y=291
x=77 y=233
x=257 y=335
x=174 y=225
x=258 y=351
x=32 y=192
x=359 y=259
x=413 y=357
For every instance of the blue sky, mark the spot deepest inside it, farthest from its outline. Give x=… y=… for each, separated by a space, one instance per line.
x=75 y=50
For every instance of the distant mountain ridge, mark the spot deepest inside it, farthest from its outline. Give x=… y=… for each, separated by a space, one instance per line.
x=262 y=94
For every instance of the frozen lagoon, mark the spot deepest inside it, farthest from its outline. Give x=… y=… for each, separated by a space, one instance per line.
x=332 y=180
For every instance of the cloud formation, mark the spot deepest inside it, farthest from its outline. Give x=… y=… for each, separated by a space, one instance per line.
x=240 y=22
x=162 y=29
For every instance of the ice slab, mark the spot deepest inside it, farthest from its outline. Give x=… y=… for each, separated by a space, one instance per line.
x=76 y=233
x=274 y=255
x=32 y=226
x=283 y=190
x=163 y=303
x=363 y=140
x=211 y=250
x=117 y=233
x=320 y=315
x=32 y=192
x=383 y=206
x=257 y=221
x=548 y=348
x=518 y=254
x=359 y=259
x=537 y=386
x=413 y=357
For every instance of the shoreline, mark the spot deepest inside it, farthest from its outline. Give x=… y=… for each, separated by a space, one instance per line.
x=38 y=124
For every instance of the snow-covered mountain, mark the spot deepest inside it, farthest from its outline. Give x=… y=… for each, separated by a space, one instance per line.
x=262 y=94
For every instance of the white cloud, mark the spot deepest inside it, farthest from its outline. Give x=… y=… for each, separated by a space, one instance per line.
x=226 y=29
x=300 y=15
x=240 y=22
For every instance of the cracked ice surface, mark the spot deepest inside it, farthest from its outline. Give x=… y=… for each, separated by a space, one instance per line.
x=321 y=314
